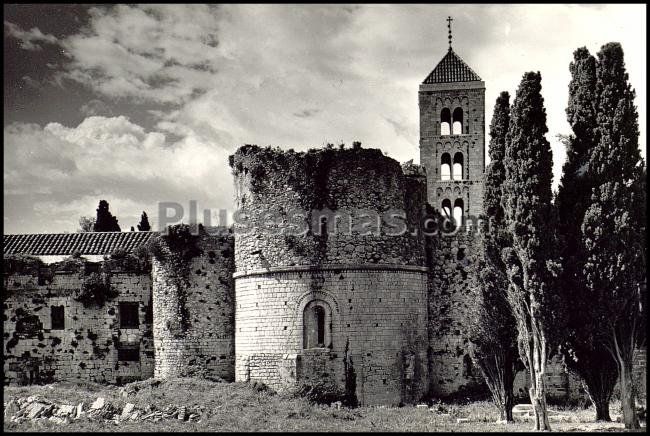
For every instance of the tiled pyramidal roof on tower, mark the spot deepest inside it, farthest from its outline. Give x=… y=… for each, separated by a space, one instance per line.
x=452 y=69
x=91 y=243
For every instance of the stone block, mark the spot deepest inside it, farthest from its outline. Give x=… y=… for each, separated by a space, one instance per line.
x=126 y=412
x=98 y=404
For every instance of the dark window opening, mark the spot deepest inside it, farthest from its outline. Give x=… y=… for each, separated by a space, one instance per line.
x=446 y=207
x=90 y=268
x=445 y=167
x=458 y=166
x=445 y=122
x=29 y=326
x=468 y=367
x=458 y=212
x=322 y=226
x=129 y=316
x=148 y=314
x=128 y=354
x=458 y=121
x=317 y=325
x=58 y=318
x=320 y=322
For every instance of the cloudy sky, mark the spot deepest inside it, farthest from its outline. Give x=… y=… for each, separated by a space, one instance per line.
x=141 y=104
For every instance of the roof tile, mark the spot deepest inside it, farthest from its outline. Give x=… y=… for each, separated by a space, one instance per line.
x=44 y=244
x=451 y=69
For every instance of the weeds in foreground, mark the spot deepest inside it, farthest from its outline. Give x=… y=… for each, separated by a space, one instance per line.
x=243 y=407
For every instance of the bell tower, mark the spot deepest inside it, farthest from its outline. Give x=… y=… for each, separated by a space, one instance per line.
x=452 y=136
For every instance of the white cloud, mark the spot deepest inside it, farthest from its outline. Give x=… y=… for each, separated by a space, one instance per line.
x=285 y=75
x=96 y=107
x=31 y=82
x=543 y=38
x=56 y=173
x=29 y=39
x=251 y=73
x=160 y=53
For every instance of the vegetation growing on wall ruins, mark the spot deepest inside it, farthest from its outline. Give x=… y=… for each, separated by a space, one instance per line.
x=305 y=172
x=175 y=251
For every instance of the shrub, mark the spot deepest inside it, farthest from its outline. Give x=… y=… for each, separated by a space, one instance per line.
x=22 y=264
x=95 y=290
x=119 y=253
x=320 y=393
x=138 y=261
x=73 y=263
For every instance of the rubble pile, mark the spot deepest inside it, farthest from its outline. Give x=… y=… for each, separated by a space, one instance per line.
x=35 y=408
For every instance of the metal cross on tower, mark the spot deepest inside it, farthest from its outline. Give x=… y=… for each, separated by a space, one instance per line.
x=449 y=20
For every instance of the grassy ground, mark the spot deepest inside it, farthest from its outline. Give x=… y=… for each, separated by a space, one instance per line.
x=238 y=407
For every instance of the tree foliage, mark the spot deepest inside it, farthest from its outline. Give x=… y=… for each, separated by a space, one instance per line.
x=144 y=225
x=493 y=328
x=95 y=290
x=583 y=354
x=86 y=224
x=105 y=221
x=531 y=260
x=614 y=228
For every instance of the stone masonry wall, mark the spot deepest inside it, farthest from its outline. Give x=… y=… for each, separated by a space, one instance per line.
x=204 y=344
x=640 y=371
x=563 y=385
x=86 y=349
x=378 y=316
x=272 y=185
x=470 y=97
x=371 y=284
x=451 y=369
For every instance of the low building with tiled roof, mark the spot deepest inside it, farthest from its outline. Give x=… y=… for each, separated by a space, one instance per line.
x=51 y=247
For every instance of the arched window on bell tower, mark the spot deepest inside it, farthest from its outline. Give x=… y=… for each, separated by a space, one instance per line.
x=457 y=128
x=458 y=212
x=446 y=207
x=445 y=122
x=451 y=101
x=458 y=166
x=445 y=167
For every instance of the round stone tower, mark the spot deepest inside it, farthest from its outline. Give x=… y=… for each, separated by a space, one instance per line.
x=193 y=305
x=330 y=282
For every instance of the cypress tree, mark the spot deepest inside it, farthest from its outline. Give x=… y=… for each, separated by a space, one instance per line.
x=531 y=260
x=582 y=353
x=614 y=227
x=144 y=223
x=105 y=221
x=493 y=329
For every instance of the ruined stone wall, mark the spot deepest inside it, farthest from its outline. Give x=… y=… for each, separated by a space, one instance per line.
x=450 y=297
x=561 y=384
x=194 y=315
x=273 y=187
x=86 y=349
x=372 y=285
x=640 y=371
